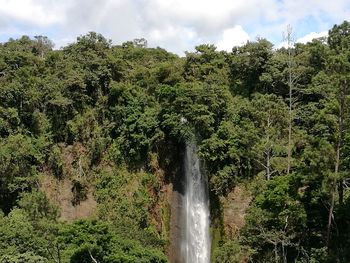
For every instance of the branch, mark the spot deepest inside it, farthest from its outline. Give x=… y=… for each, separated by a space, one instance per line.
x=286 y=225
x=93 y=259
x=261 y=163
x=274 y=171
x=295 y=78
x=345 y=182
x=51 y=253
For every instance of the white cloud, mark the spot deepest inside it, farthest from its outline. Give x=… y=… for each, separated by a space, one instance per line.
x=39 y=13
x=176 y=39
x=231 y=37
x=202 y=15
x=313 y=35
x=305 y=39
x=282 y=44
x=192 y=22
x=176 y=25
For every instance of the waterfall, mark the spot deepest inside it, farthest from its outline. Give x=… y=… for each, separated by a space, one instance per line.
x=196 y=243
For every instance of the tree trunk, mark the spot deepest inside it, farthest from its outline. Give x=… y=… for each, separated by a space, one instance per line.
x=330 y=215
x=289 y=136
x=290 y=85
x=284 y=254
x=334 y=188
x=340 y=142
x=268 y=169
x=341 y=191
x=276 y=253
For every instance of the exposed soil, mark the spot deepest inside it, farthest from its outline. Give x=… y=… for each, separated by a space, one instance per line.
x=235 y=206
x=60 y=193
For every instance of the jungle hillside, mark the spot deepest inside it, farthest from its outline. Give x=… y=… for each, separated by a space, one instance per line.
x=92 y=138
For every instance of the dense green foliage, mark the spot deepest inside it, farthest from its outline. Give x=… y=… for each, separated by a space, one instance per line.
x=126 y=106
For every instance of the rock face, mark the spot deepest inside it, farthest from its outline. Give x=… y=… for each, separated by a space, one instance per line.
x=235 y=206
x=176 y=199
x=72 y=191
x=168 y=213
x=177 y=223
x=60 y=192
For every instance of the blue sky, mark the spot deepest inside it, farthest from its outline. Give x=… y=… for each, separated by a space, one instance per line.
x=177 y=25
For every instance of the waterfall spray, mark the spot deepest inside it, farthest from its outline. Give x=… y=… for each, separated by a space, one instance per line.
x=196 y=243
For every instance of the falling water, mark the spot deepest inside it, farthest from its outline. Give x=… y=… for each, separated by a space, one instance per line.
x=196 y=241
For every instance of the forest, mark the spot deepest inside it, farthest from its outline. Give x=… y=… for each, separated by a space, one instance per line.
x=91 y=137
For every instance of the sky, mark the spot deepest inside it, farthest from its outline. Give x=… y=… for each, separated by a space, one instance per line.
x=176 y=25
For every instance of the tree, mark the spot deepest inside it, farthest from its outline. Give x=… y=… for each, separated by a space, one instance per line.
x=43 y=45
x=136 y=124
x=247 y=65
x=229 y=151
x=338 y=67
x=19 y=159
x=290 y=98
x=270 y=114
x=140 y=43
x=276 y=221
x=230 y=252
x=206 y=64
x=23 y=258
x=91 y=241
x=19 y=239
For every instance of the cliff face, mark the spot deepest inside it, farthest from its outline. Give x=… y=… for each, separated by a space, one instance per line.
x=60 y=192
x=171 y=163
x=227 y=215
x=72 y=192
x=177 y=222
x=166 y=213
x=235 y=206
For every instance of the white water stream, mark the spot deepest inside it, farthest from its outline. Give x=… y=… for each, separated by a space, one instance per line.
x=196 y=242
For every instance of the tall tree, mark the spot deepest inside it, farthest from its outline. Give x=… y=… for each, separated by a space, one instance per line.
x=338 y=69
x=289 y=39
x=247 y=65
x=270 y=114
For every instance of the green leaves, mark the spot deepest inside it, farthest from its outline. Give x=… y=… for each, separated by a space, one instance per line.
x=136 y=124
x=19 y=158
x=192 y=109
x=230 y=252
x=23 y=258
x=9 y=121
x=247 y=65
x=124 y=198
x=339 y=37
x=206 y=65
x=18 y=238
